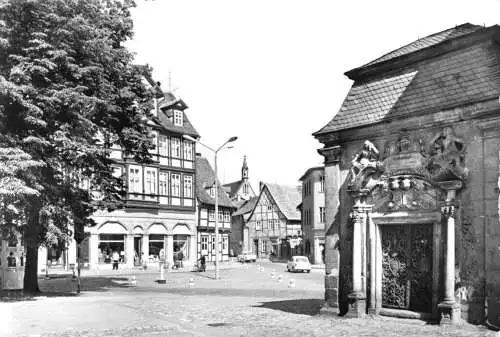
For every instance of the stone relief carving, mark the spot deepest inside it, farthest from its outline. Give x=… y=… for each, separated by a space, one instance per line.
x=363 y=164
x=446 y=159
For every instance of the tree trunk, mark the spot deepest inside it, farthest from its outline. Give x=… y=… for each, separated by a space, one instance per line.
x=31 y=246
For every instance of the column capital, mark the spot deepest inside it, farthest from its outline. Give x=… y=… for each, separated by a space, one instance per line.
x=449 y=209
x=332 y=154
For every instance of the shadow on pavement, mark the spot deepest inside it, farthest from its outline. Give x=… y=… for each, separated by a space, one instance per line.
x=309 y=307
x=66 y=287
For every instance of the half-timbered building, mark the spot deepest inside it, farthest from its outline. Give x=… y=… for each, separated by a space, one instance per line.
x=205 y=195
x=274 y=224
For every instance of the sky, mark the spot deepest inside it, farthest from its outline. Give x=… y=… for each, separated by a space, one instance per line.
x=271 y=72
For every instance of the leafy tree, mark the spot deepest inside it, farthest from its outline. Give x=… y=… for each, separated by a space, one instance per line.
x=68 y=91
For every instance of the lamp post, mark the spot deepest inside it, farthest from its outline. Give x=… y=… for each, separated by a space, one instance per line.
x=232 y=139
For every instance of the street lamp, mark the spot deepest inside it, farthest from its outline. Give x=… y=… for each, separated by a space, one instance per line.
x=230 y=140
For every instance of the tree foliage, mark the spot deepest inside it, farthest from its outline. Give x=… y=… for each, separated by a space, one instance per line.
x=68 y=91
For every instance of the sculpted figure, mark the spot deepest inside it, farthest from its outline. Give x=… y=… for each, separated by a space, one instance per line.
x=366 y=158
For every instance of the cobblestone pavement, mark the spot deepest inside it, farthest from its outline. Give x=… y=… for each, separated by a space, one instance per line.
x=245 y=302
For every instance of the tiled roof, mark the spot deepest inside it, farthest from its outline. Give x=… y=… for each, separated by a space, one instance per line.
x=287 y=199
x=187 y=128
x=205 y=177
x=428 y=41
x=453 y=79
x=247 y=206
x=233 y=187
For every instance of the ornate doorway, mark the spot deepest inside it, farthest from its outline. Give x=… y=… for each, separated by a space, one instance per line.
x=407 y=254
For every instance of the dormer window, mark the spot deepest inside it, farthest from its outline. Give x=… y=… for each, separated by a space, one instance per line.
x=178 y=118
x=212 y=192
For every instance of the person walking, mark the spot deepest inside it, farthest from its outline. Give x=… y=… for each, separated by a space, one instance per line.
x=203 y=262
x=181 y=257
x=116 y=259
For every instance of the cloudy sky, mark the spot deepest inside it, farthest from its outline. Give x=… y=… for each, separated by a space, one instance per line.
x=271 y=71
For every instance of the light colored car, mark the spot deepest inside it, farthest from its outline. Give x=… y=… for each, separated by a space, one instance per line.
x=247 y=257
x=299 y=263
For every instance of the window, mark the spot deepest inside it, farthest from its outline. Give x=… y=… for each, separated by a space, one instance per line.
x=227 y=216
x=204 y=242
x=213 y=243
x=322 y=214
x=150 y=181
x=178 y=117
x=176 y=184
x=212 y=192
x=211 y=215
x=270 y=207
x=163 y=184
x=175 y=147
x=321 y=184
x=181 y=247
x=135 y=179
x=220 y=215
x=188 y=150
x=245 y=189
x=188 y=186
x=257 y=225
x=157 y=246
x=163 y=146
x=154 y=141
x=262 y=246
x=109 y=243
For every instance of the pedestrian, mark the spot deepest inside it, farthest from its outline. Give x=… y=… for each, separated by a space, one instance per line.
x=11 y=260
x=181 y=257
x=116 y=259
x=203 y=262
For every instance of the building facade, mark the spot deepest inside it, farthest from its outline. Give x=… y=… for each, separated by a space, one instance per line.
x=411 y=173
x=158 y=222
x=313 y=214
x=274 y=224
x=239 y=241
x=205 y=195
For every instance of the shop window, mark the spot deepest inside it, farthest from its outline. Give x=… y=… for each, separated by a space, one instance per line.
x=157 y=247
x=109 y=243
x=181 y=247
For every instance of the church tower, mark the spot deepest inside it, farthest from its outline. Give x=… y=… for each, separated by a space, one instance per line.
x=244 y=169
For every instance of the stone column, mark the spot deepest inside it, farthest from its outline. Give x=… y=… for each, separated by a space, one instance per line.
x=193 y=258
x=145 y=248
x=372 y=243
x=169 y=250
x=357 y=298
x=449 y=310
x=333 y=183
x=94 y=254
x=129 y=251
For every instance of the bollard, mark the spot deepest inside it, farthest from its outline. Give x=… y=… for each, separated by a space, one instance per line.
x=162 y=275
x=133 y=280
x=280 y=278
x=191 y=282
x=291 y=283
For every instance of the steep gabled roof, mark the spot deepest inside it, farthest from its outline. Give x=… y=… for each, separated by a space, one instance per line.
x=427 y=42
x=247 y=206
x=205 y=178
x=459 y=77
x=234 y=187
x=316 y=168
x=287 y=199
x=187 y=128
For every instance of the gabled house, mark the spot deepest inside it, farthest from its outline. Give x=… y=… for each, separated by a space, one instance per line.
x=239 y=241
x=275 y=224
x=205 y=196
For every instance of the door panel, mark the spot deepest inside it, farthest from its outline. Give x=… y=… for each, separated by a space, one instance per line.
x=407 y=267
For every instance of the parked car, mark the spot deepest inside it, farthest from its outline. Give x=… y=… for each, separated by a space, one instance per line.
x=299 y=263
x=247 y=257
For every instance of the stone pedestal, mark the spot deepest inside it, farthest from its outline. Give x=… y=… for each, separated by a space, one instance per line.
x=357 y=305
x=449 y=313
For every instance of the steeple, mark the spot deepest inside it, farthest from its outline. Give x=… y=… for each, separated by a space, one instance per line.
x=244 y=169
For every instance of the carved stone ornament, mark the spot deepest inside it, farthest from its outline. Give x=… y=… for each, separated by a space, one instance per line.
x=446 y=161
x=363 y=165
